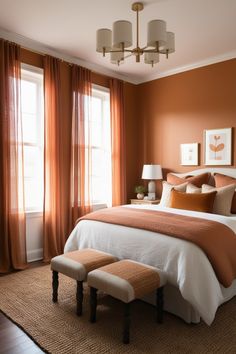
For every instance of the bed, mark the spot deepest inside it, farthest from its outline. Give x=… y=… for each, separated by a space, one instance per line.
x=193 y=291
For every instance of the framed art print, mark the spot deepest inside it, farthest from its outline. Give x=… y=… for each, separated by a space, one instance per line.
x=218 y=146
x=189 y=154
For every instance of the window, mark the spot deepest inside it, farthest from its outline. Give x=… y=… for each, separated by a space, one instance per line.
x=100 y=179
x=32 y=120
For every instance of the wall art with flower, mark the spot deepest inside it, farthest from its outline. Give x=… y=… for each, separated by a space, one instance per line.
x=218 y=146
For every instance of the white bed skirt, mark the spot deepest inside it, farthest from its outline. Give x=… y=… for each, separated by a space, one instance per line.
x=175 y=304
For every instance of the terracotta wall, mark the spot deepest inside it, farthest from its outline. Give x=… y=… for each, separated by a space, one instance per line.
x=177 y=109
x=133 y=139
x=130 y=109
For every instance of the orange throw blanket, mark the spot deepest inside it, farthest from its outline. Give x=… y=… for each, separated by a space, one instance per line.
x=215 y=239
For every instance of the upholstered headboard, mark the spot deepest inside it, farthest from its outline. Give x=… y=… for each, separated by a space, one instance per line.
x=223 y=170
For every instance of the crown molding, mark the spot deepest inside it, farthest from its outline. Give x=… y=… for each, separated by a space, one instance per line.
x=41 y=48
x=199 y=64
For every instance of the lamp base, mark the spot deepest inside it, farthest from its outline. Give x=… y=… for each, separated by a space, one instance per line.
x=151 y=190
x=151 y=196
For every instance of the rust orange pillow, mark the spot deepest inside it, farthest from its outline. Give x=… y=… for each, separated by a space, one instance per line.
x=198 y=180
x=222 y=181
x=188 y=201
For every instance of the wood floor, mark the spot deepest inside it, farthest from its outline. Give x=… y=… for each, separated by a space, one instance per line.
x=12 y=339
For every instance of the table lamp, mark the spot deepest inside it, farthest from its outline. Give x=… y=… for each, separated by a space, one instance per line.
x=152 y=172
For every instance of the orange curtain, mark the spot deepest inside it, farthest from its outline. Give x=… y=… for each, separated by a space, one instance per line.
x=81 y=148
x=117 y=142
x=56 y=209
x=12 y=215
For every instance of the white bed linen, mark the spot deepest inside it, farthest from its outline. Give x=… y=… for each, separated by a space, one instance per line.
x=186 y=265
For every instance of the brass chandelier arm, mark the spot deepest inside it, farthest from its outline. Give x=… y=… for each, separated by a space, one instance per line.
x=121 y=51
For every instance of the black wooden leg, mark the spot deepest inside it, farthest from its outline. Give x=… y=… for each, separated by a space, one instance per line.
x=79 y=297
x=126 y=323
x=55 y=284
x=159 y=305
x=93 y=304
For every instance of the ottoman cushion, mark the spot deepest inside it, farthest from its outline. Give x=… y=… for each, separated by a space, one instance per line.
x=77 y=264
x=126 y=280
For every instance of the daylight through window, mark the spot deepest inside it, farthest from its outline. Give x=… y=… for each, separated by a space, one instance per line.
x=32 y=119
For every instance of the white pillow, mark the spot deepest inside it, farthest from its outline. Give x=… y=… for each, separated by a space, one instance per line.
x=223 y=199
x=191 y=188
x=166 y=192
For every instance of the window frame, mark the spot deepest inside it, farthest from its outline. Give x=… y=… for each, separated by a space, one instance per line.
x=100 y=92
x=36 y=75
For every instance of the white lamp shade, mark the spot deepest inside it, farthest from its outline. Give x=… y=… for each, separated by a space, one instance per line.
x=122 y=33
x=103 y=40
x=117 y=57
x=151 y=58
x=170 y=43
x=152 y=172
x=156 y=33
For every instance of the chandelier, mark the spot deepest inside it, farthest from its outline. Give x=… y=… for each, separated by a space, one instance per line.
x=116 y=42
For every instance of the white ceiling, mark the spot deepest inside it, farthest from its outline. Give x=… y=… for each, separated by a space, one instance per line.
x=205 y=30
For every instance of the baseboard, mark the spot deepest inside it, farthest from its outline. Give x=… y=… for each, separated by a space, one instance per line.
x=35 y=255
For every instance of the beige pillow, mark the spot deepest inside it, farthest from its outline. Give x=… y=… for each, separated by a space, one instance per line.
x=222 y=181
x=191 y=188
x=223 y=199
x=166 y=192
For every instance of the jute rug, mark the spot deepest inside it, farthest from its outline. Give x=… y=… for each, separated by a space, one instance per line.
x=25 y=297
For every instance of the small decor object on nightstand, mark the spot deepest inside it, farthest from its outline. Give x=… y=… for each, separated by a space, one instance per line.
x=140 y=190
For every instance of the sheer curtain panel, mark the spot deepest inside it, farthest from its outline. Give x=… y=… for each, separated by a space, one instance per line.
x=56 y=209
x=12 y=215
x=81 y=142
x=117 y=142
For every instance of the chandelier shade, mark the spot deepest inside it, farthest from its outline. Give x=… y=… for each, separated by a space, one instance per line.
x=156 y=33
x=104 y=40
x=118 y=41
x=122 y=34
x=117 y=57
x=170 y=44
x=151 y=58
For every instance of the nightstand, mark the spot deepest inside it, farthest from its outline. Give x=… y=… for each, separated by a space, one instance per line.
x=144 y=201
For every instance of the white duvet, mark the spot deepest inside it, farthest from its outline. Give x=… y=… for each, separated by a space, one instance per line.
x=186 y=265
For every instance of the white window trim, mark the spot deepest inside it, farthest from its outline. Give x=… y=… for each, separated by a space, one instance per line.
x=98 y=92
x=33 y=212
x=100 y=88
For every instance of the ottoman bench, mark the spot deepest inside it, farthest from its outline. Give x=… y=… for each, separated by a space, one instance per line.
x=126 y=280
x=76 y=265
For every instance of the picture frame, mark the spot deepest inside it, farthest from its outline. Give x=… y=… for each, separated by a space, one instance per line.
x=218 y=146
x=189 y=154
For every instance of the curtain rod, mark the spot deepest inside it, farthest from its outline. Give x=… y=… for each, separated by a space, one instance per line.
x=44 y=55
x=65 y=61
x=62 y=60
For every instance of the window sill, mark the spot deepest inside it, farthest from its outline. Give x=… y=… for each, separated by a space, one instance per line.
x=97 y=206
x=39 y=213
x=33 y=214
